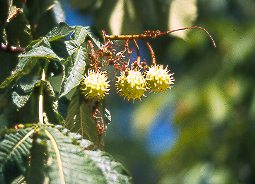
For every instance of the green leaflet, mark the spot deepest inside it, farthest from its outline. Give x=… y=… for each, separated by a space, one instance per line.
x=79 y=118
x=74 y=70
x=58 y=156
x=82 y=33
x=41 y=52
x=23 y=89
x=24 y=66
x=52 y=104
x=87 y=166
x=14 y=148
x=61 y=31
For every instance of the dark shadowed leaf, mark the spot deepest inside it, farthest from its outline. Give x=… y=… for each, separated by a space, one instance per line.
x=24 y=88
x=51 y=104
x=14 y=148
x=24 y=66
x=79 y=118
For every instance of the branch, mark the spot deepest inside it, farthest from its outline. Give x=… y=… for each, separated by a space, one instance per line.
x=155 y=34
x=13 y=49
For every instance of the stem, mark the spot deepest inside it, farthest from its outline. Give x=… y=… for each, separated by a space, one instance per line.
x=155 y=34
x=137 y=52
x=194 y=27
x=41 y=99
x=12 y=49
x=153 y=57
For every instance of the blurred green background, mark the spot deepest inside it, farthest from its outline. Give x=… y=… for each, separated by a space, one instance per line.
x=203 y=130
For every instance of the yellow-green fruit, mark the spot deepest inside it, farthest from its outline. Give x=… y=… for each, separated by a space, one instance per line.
x=94 y=85
x=131 y=86
x=159 y=79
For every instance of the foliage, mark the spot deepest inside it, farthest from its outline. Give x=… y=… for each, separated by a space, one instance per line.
x=212 y=104
x=37 y=151
x=52 y=153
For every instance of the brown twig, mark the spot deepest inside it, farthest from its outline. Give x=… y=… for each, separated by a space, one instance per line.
x=154 y=34
x=153 y=57
x=137 y=52
x=13 y=49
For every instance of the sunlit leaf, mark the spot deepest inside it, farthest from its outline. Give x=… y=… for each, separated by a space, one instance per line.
x=58 y=32
x=74 y=70
x=117 y=18
x=85 y=166
x=40 y=52
x=182 y=13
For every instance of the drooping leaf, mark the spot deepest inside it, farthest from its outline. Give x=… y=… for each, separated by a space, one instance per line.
x=24 y=88
x=40 y=52
x=14 y=148
x=51 y=103
x=79 y=118
x=72 y=163
x=61 y=31
x=94 y=38
x=24 y=66
x=82 y=33
x=74 y=70
x=20 y=99
x=78 y=38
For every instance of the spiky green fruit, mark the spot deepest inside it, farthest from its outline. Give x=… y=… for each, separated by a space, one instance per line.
x=131 y=86
x=159 y=79
x=95 y=85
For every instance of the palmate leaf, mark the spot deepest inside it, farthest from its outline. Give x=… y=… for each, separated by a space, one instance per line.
x=72 y=163
x=79 y=118
x=74 y=70
x=14 y=147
